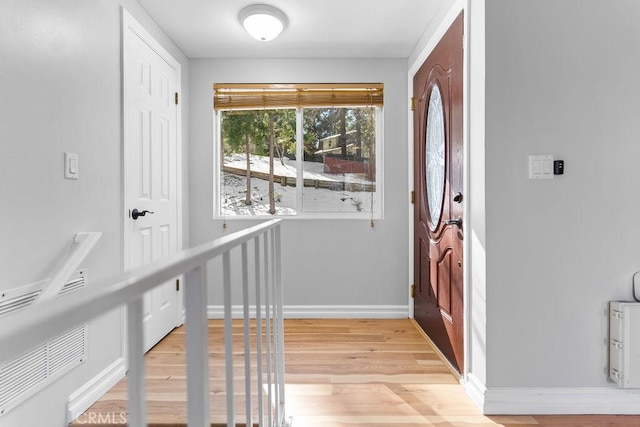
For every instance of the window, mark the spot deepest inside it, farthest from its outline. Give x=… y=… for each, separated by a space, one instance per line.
x=298 y=150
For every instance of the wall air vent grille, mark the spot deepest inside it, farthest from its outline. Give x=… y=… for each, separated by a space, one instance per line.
x=25 y=372
x=75 y=283
x=24 y=376
x=10 y=305
x=66 y=349
x=16 y=299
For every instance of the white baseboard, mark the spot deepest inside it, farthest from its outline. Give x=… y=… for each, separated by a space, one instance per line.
x=475 y=389
x=323 y=311
x=553 y=401
x=81 y=399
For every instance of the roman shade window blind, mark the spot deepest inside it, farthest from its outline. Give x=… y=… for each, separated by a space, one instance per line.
x=252 y=96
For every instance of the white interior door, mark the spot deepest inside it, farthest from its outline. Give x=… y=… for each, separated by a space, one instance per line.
x=151 y=170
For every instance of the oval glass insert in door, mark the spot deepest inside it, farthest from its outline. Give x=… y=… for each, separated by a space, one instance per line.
x=435 y=157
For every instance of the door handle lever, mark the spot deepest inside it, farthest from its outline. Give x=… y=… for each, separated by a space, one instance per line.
x=136 y=213
x=457 y=222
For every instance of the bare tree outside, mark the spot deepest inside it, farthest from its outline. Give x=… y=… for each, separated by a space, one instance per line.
x=272 y=202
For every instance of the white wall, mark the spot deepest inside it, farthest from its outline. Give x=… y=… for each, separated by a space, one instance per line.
x=374 y=271
x=60 y=91
x=561 y=79
x=435 y=28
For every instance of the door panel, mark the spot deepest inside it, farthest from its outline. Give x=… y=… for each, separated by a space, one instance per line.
x=444 y=282
x=150 y=159
x=438 y=184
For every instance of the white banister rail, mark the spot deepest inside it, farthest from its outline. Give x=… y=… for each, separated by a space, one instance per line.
x=82 y=245
x=31 y=327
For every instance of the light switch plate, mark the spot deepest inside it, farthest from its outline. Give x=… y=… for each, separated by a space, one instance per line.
x=541 y=167
x=71 y=165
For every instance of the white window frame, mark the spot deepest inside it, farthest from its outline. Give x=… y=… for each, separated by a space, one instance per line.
x=378 y=211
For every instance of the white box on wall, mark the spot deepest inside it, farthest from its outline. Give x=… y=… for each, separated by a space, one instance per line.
x=624 y=343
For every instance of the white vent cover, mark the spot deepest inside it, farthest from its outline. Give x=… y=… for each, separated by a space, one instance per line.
x=21 y=375
x=77 y=281
x=10 y=305
x=29 y=373
x=16 y=299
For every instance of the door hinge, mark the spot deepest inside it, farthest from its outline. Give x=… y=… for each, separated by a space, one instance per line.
x=413 y=197
x=176 y=98
x=177 y=285
x=413 y=104
x=412 y=290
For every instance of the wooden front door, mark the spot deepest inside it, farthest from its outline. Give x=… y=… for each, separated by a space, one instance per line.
x=438 y=185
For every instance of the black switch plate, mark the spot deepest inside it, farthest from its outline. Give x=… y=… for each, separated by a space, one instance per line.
x=558 y=167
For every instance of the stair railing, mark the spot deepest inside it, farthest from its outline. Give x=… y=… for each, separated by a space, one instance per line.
x=31 y=327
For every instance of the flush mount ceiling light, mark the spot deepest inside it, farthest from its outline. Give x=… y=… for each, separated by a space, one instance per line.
x=262 y=22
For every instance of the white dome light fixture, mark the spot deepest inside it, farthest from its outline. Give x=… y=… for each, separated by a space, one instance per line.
x=262 y=22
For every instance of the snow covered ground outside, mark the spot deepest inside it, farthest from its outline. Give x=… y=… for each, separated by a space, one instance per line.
x=311 y=170
x=316 y=200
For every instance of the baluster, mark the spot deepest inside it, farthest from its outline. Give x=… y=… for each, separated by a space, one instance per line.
x=258 y=330
x=228 y=337
x=197 y=344
x=274 y=309
x=137 y=406
x=267 y=306
x=247 y=334
x=279 y=301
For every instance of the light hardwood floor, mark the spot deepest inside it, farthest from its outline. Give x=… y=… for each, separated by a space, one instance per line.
x=339 y=373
